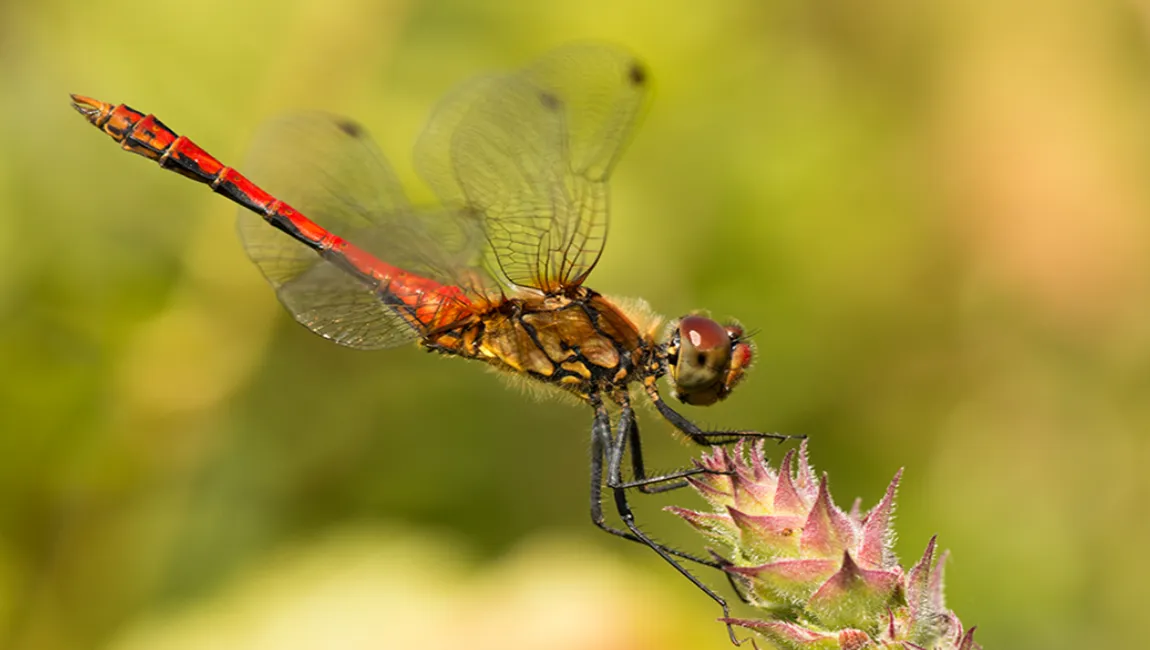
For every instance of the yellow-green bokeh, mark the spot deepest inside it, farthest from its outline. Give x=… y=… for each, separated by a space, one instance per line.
x=934 y=213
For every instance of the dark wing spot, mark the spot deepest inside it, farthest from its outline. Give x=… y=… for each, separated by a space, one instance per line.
x=350 y=128
x=549 y=101
x=637 y=74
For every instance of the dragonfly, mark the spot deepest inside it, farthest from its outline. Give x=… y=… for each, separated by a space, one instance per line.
x=495 y=272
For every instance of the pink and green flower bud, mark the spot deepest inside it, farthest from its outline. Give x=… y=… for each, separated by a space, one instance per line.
x=825 y=579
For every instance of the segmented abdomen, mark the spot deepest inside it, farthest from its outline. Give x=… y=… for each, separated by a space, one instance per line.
x=425 y=304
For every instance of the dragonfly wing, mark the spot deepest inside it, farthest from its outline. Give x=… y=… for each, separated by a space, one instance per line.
x=531 y=152
x=330 y=170
x=330 y=303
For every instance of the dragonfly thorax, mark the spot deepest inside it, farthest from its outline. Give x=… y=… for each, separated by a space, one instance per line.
x=578 y=341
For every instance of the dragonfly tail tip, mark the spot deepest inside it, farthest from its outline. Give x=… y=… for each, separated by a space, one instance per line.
x=88 y=107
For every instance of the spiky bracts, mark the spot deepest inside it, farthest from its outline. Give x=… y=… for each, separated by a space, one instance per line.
x=824 y=578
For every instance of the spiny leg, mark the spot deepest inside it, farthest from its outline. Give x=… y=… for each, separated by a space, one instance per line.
x=651 y=484
x=698 y=435
x=640 y=479
x=615 y=450
x=629 y=427
x=600 y=444
x=648 y=485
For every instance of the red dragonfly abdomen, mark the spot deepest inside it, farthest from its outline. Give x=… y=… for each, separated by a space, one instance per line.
x=426 y=304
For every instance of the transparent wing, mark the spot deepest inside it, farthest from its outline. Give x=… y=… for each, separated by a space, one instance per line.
x=530 y=153
x=329 y=169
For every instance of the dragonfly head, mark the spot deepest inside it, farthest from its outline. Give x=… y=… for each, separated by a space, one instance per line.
x=705 y=359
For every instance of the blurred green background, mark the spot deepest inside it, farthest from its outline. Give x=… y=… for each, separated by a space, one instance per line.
x=936 y=214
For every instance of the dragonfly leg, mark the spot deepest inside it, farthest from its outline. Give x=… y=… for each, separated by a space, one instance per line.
x=601 y=442
x=700 y=436
x=739 y=584
x=615 y=450
x=650 y=484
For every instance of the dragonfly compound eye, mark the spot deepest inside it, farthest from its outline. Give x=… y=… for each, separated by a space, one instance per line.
x=702 y=360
